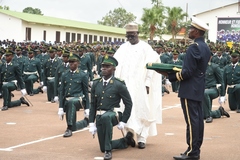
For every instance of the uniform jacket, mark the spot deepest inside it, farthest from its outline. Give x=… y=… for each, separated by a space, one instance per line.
x=12 y=72
x=32 y=65
x=49 y=69
x=58 y=75
x=74 y=85
x=109 y=98
x=192 y=76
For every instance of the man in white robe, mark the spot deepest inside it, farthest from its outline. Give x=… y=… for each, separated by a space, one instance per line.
x=144 y=85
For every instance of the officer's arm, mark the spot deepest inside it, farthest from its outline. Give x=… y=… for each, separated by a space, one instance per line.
x=93 y=104
x=19 y=76
x=85 y=89
x=62 y=92
x=219 y=77
x=39 y=70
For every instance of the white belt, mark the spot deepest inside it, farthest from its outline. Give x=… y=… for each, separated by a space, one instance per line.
x=14 y=81
x=231 y=86
x=50 y=78
x=30 y=73
x=101 y=112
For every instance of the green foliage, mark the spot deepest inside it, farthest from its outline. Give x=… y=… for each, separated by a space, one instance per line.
x=4 y=7
x=117 y=18
x=152 y=21
x=32 y=10
x=175 y=20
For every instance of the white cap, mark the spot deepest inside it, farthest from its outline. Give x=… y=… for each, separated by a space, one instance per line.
x=131 y=27
x=197 y=23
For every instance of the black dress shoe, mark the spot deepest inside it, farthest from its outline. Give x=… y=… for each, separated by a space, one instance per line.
x=31 y=94
x=12 y=95
x=4 y=108
x=107 y=155
x=209 y=120
x=141 y=145
x=52 y=101
x=68 y=133
x=129 y=139
x=223 y=112
x=40 y=89
x=184 y=156
x=23 y=101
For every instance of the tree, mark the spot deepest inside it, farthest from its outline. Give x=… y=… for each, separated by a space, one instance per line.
x=32 y=10
x=4 y=7
x=117 y=18
x=174 y=21
x=152 y=21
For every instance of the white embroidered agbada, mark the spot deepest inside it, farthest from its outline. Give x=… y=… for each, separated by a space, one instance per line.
x=147 y=108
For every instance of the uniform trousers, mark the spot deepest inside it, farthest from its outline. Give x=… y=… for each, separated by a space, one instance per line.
x=50 y=89
x=233 y=97
x=29 y=81
x=104 y=124
x=6 y=92
x=193 y=115
x=71 y=108
x=209 y=95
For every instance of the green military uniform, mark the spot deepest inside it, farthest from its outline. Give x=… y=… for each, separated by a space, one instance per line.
x=10 y=76
x=213 y=76
x=85 y=66
x=31 y=74
x=231 y=77
x=221 y=61
x=73 y=96
x=104 y=100
x=49 y=71
x=43 y=57
x=60 y=70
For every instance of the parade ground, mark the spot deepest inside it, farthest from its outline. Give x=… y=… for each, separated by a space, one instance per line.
x=35 y=133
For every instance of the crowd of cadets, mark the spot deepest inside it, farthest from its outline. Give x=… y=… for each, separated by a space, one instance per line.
x=45 y=63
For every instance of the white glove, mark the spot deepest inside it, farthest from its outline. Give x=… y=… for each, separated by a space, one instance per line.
x=60 y=113
x=90 y=83
x=92 y=128
x=41 y=83
x=121 y=125
x=24 y=92
x=168 y=82
x=44 y=88
x=221 y=99
x=86 y=113
x=56 y=98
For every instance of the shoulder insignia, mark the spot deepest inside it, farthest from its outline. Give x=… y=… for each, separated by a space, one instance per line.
x=121 y=80
x=95 y=79
x=194 y=43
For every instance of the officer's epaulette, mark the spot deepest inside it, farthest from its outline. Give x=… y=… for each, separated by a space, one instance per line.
x=121 y=80
x=194 y=43
x=95 y=79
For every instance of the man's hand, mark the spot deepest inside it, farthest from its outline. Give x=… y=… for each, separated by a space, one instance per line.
x=121 y=125
x=60 y=113
x=163 y=73
x=147 y=89
x=92 y=128
x=24 y=92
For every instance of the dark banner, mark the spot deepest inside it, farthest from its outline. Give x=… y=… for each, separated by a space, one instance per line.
x=228 y=29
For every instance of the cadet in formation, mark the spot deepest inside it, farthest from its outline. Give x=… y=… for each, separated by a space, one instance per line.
x=73 y=96
x=106 y=94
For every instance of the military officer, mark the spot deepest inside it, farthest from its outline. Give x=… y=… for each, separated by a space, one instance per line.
x=231 y=79
x=213 y=76
x=10 y=75
x=100 y=59
x=159 y=49
x=60 y=70
x=73 y=96
x=31 y=73
x=106 y=94
x=43 y=57
x=110 y=51
x=49 y=71
x=219 y=59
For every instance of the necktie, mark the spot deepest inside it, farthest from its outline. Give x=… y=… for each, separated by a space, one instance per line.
x=105 y=84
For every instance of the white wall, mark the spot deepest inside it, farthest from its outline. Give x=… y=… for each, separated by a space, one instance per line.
x=10 y=28
x=212 y=16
